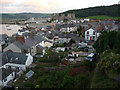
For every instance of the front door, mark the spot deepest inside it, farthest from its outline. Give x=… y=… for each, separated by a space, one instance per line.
x=90 y=38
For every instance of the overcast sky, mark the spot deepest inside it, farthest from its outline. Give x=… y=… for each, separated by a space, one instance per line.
x=49 y=6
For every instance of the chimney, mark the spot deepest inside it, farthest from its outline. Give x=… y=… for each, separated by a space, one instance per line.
x=20 y=38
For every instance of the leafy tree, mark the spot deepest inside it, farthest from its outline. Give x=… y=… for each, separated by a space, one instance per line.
x=108 y=40
x=79 y=30
x=112 y=10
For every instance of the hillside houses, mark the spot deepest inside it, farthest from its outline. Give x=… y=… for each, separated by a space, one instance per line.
x=30 y=44
x=62 y=17
x=12 y=65
x=7 y=76
x=17 y=46
x=91 y=34
x=3 y=41
x=16 y=61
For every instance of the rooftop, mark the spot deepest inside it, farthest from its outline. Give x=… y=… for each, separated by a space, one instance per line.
x=12 y=57
x=5 y=73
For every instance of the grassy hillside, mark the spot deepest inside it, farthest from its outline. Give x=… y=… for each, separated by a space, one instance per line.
x=23 y=15
x=102 y=17
x=95 y=11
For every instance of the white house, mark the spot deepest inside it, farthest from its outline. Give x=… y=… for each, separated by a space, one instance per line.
x=6 y=75
x=16 y=61
x=91 y=35
x=86 y=19
x=68 y=29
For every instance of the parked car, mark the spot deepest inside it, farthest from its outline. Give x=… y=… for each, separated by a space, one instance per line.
x=90 y=57
x=83 y=47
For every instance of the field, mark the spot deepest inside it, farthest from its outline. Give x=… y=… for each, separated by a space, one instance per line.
x=102 y=17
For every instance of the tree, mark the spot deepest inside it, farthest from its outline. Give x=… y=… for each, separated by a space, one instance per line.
x=79 y=30
x=108 y=40
x=17 y=22
x=72 y=41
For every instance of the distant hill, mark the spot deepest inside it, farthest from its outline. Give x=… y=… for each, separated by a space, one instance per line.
x=111 y=10
x=23 y=15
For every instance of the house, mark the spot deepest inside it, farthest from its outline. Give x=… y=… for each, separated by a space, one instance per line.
x=40 y=50
x=76 y=38
x=49 y=36
x=17 y=46
x=16 y=61
x=75 y=54
x=70 y=59
x=3 y=37
x=6 y=76
x=3 y=41
x=32 y=42
x=63 y=38
x=91 y=34
x=31 y=21
x=60 y=49
x=35 y=41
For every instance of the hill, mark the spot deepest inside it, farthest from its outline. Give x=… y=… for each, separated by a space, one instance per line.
x=111 y=10
x=23 y=15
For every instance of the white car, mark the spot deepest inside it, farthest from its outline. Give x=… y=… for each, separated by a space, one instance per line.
x=90 y=57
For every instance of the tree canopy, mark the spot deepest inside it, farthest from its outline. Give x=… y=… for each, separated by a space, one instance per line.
x=108 y=40
x=112 y=10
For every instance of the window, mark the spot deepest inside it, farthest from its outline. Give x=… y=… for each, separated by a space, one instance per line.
x=93 y=37
x=12 y=74
x=9 y=67
x=5 y=79
x=87 y=32
x=87 y=38
x=17 y=68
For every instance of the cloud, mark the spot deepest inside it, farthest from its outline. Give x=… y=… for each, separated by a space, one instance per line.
x=50 y=6
x=6 y=2
x=119 y=2
x=43 y=5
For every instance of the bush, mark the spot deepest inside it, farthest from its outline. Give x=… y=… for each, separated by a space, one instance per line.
x=109 y=61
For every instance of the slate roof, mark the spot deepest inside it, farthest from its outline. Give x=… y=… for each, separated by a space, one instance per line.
x=48 y=35
x=55 y=32
x=40 y=47
x=0 y=59
x=33 y=41
x=5 y=73
x=21 y=45
x=13 y=57
x=63 y=36
x=76 y=38
x=3 y=37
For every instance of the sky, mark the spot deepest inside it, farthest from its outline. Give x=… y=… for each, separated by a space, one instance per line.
x=49 y=6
